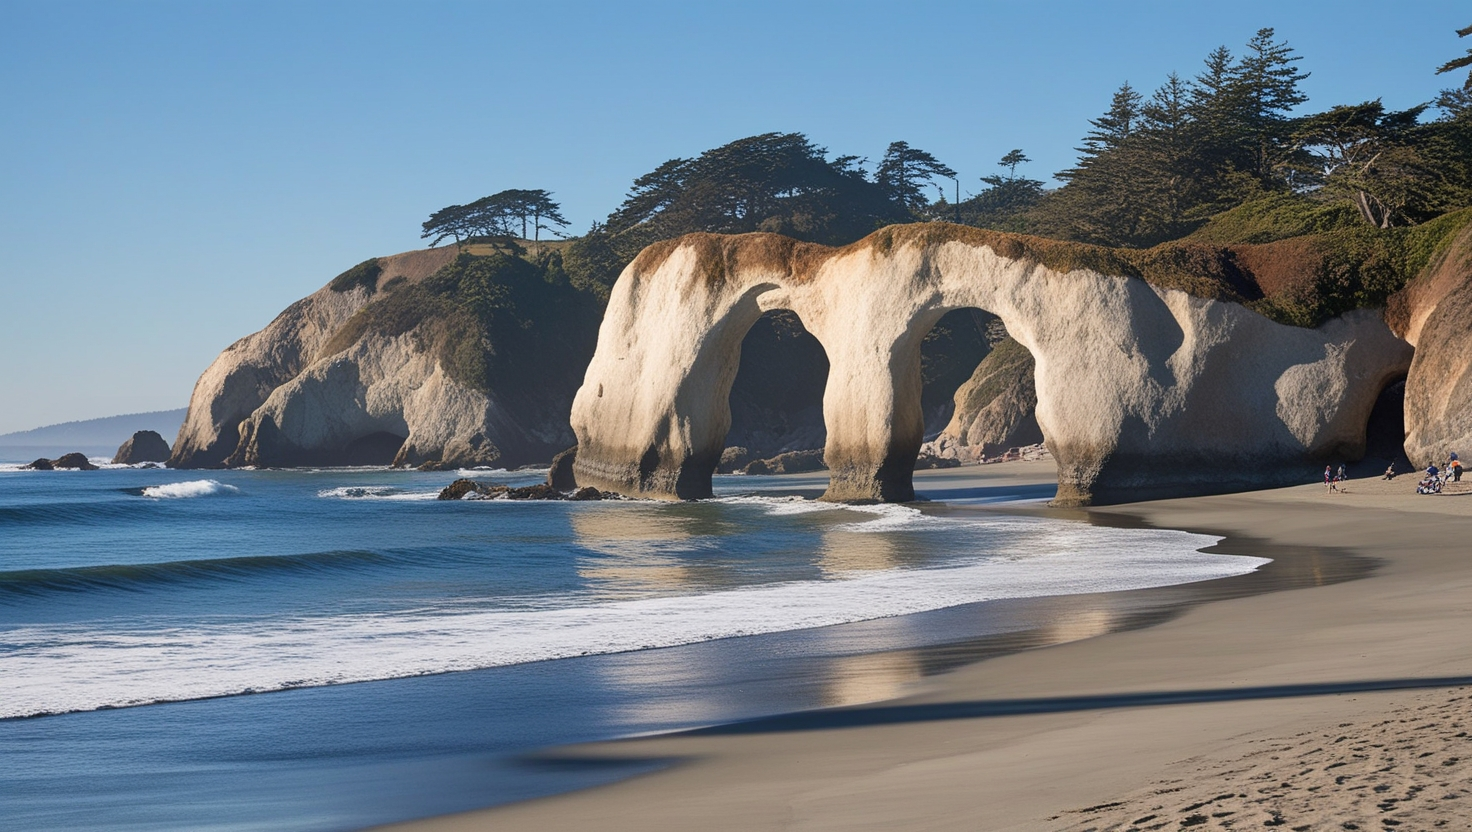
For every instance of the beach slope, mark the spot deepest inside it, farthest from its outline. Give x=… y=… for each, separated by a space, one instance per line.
x=1329 y=703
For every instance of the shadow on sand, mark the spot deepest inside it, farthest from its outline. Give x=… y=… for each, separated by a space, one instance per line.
x=900 y=714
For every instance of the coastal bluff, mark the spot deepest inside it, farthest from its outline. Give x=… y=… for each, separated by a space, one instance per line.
x=392 y=363
x=1144 y=389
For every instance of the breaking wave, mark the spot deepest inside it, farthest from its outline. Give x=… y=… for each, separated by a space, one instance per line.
x=189 y=489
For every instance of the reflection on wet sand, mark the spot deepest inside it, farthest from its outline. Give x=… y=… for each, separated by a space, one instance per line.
x=873 y=677
x=1078 y=624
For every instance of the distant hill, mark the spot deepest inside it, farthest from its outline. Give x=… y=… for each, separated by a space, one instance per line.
x=94 y=437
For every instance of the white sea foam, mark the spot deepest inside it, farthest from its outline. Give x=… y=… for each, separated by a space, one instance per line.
x=482 y=472
x=886 y=517
x=192 y=488
x=375 y=492
x=60 y=668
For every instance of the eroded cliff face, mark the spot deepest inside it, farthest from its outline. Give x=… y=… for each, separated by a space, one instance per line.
x=378 y=367
x=1435 y=314
x=1143 y=391
x=245 y=374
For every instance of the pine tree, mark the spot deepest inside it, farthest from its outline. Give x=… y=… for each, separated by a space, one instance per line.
x=1268 y=84
x=904 y=171
x=1110 y=130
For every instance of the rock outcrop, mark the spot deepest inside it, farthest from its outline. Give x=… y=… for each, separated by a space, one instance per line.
x=245 y=375
x=1434 y=313
x=995 y=409
x=72 y=461
x=143 y=446
x=1143 y=390
x=422 y=359
x=792 y=462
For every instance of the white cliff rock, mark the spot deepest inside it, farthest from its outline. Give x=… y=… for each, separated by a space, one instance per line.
x=305 y=391
x=1434 y=313
x=244 y=375
x=1143 y=391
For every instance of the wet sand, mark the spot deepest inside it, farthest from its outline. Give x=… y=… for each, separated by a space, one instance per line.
x=1336 y=706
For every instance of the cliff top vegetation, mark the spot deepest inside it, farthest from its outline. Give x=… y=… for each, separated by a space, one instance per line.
x=1223 y=184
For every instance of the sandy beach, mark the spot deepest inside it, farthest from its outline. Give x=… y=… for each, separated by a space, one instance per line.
x=1336 y=706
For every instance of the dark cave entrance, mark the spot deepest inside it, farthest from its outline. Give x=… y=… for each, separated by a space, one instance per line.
x=1385 y=430
x=378 y=448
x=777 y=399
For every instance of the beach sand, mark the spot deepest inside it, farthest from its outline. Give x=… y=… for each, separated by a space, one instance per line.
x=1330 y=707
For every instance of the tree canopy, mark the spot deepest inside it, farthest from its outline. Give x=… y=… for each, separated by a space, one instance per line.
x=499 y=218
x=905 y=171
x=778 y=182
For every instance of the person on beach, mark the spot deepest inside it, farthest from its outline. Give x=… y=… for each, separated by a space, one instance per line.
x=1339 y=476
x=1456 y=468
x=1389 y=472
x=1328 y=478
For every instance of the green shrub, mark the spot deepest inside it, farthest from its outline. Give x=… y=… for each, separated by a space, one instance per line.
x=364 y=274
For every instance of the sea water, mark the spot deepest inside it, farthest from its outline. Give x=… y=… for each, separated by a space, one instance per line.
x=330 y=649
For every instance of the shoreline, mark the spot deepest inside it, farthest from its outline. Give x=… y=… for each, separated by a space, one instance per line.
x=1209 y=684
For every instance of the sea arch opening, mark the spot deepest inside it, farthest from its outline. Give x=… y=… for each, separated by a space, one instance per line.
x=980 y=392
x=776 y=399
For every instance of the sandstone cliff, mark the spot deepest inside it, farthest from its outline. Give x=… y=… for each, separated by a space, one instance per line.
x=1434 y=313
x=1146 y=388
x=420 y=358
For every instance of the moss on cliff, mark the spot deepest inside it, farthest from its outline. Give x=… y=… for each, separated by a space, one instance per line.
x=496 y=323
x=364 y=274
x=1252 y=255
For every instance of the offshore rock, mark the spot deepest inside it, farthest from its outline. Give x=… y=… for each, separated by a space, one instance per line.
x=72 y=461
x=143 y=446
x=461 y=489
x=560 y=475
x=1143 y=390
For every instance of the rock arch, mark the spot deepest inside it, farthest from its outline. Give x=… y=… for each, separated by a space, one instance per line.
x=1143 y=391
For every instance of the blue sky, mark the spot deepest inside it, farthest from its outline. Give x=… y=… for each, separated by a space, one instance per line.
x=172 y=175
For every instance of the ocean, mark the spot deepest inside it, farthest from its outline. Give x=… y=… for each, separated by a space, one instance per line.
x=332 y=649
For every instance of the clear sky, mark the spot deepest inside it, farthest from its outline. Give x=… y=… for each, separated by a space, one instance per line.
x=173 y=174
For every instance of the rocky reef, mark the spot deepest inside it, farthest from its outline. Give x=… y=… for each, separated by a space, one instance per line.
x=65 y=462
x=1145 y=387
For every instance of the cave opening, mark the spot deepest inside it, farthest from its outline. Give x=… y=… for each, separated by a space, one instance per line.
x=1385 y=430
x=979 y=396
x=378 y=448
x=777 y=400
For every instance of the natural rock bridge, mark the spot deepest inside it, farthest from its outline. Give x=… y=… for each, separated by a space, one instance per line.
x=1143 y=391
